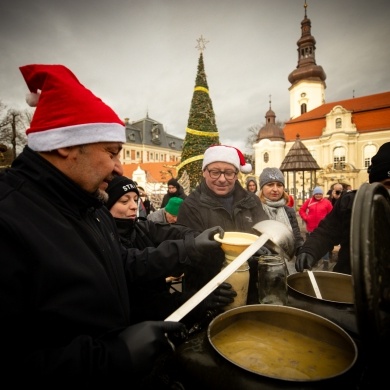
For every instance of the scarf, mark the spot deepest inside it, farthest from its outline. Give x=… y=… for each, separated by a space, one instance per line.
x=276 y=211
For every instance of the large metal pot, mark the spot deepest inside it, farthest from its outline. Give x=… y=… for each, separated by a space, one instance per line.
x=337 y=303
x=282 y=342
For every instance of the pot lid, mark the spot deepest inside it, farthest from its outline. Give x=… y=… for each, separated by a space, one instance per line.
x=370 y=261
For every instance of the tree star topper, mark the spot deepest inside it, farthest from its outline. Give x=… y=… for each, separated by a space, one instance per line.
x=201 y=43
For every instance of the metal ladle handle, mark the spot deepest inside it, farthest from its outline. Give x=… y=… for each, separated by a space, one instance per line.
x=314 y=284
x=208 y=288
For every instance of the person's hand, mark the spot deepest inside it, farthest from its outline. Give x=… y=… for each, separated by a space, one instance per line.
x=222 y=296
x=147 y=340
x=263 y=251
x=298 y=250
x=205 y=243
x=304 y=261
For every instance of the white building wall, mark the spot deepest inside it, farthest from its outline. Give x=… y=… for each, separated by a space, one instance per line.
x=310 y=92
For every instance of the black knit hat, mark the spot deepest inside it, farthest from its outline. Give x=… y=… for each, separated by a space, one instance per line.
x=173 y=182
x=117 y=187
x=380 y=164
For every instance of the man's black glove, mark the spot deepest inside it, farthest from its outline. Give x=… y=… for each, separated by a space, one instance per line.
x=220 y=297
x=263 y=251
x=205 y=243
x=304 y=261
x=147 y=340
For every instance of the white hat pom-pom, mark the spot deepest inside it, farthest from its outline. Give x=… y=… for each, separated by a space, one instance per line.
x=247 y=168
x=32 y=99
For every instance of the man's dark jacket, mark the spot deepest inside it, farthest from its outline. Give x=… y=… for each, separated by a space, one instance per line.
x=202 y=210
x=64 y=278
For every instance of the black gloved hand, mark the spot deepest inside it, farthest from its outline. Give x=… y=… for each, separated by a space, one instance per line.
x=304 y=261
x=147 y=340
x=263 y=251
x=220 y=297
x=297 y=251
x=205 y=243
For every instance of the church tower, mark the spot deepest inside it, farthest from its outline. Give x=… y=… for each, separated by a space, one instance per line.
x=270 y=143
x=307 y=89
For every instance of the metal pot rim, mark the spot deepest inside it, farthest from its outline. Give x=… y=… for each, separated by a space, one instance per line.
x=290 y=315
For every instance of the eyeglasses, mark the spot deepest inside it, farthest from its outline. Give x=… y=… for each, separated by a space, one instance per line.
x=337 y=192
x=215 y=174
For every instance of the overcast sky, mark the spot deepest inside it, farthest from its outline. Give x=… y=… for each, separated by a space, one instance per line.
x=140 y=56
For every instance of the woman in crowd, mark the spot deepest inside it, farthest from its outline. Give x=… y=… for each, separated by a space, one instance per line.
x=251 y=185
x=312 y=212
x=154 y=300
x=174 y=190
x=274 y=200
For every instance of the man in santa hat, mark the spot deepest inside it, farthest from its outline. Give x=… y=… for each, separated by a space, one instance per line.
x=221 y=200
x=64 y=298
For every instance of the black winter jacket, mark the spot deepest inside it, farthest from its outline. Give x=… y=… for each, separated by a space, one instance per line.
x=64 y=278
x=333 y=230
x=292 y=217
x=178 y=194
x=153 y=300
x=202 y=210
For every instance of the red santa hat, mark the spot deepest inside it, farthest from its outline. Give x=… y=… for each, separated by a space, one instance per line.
x=66 y=113
x=226 y=154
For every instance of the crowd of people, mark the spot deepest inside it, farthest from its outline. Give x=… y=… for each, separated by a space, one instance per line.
x=85 y=291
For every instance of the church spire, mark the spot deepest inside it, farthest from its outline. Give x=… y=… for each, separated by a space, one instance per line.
x=307 y=90
x=307 y=69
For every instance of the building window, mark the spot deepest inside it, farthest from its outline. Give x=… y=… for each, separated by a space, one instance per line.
x=155 y=134
x=138 y=155
x=368 y=152
x=338 y=123
x=266 y=157
x=303 y=108
x=339 y=158
x=127 y=153
x=132 y=137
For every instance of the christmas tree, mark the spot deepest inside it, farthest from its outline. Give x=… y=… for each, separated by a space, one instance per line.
x=201 y=129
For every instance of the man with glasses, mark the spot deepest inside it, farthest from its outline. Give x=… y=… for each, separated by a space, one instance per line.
x=221 y=200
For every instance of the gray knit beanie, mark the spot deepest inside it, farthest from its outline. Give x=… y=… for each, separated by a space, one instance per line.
x=271 y=174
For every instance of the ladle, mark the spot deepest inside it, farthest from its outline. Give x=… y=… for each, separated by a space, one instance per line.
x=314 y=284
x=274 y=233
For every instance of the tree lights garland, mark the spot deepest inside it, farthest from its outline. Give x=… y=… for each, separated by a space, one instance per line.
x=201 y=129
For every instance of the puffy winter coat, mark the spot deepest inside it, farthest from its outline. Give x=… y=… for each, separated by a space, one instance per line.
x=313 y=211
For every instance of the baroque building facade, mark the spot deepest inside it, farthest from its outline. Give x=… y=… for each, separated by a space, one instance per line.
x=150 y=155
x=342 y=136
